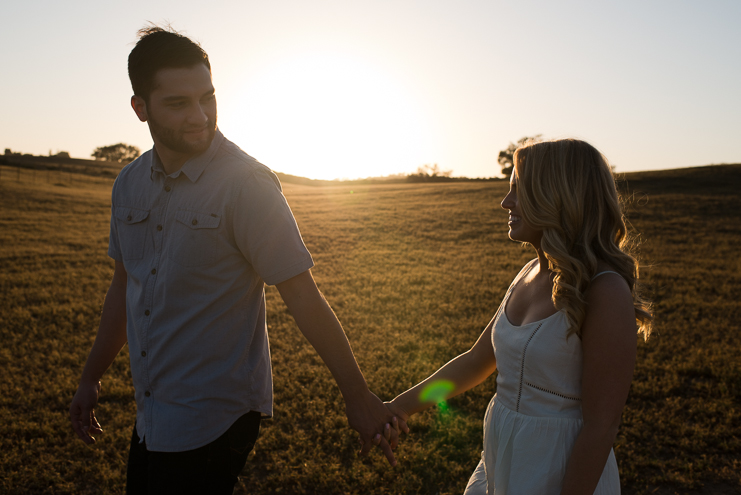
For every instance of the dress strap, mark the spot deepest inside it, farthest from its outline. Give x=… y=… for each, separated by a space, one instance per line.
x=606 y=271
x=523 y=272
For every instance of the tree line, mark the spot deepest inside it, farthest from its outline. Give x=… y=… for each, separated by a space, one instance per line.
x=119 y=152
x=506 y=156
x=124 y=153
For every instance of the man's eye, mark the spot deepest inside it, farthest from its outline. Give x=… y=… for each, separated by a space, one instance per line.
x=178 y=104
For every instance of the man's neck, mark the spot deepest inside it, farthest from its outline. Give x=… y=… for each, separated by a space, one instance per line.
x=172 y=161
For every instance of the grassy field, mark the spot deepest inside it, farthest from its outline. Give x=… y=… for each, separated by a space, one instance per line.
x=414 y=272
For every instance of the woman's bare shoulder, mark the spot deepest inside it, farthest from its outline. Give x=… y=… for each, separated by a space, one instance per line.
x=609 y=297
x=607 y=272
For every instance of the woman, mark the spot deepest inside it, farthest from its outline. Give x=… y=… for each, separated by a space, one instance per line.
x=563 y=339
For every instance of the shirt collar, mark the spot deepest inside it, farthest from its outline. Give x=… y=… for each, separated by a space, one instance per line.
x=195 y=166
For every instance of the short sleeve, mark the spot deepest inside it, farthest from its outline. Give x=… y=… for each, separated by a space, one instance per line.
x=265 y=230
x=114 y=248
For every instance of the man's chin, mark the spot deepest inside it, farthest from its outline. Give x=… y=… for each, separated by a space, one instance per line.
x=198 y=144
x=198 y=147
x=189 y=144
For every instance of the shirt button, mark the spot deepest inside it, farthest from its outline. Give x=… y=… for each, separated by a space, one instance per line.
x=144 y=353
x=167 y=188
x=154 y=270
x=159 y=227
x=147 y=394
x=128 y=218
x=146 y=313
x=194 y=222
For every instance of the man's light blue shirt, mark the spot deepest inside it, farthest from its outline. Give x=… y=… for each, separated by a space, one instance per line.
x=198 y=247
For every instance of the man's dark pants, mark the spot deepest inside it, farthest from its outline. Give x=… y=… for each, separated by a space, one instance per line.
x=211 y=469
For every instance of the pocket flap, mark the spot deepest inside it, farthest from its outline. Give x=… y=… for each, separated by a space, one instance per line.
x=196 y=220
x=131 y=215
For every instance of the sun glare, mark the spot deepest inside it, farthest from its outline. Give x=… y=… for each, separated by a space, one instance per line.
x=327 y=116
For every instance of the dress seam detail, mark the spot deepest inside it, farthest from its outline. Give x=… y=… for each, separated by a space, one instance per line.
x=522 y=365
x=552 y=392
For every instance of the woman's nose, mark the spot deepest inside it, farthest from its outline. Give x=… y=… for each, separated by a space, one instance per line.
x=508 y=203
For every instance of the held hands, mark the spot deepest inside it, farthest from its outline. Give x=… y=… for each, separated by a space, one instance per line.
x=400 y=413
x=398 y=424
x=82 y=411
x=375 y=424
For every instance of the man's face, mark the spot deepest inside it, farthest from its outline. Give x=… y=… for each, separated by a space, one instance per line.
x=181 y=111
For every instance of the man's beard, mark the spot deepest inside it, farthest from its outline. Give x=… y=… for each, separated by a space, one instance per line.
x=175 y=140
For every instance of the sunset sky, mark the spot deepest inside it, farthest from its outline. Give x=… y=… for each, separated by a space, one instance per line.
x=347 y=89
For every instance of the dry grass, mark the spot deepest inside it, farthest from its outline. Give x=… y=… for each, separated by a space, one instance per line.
x=414 y=272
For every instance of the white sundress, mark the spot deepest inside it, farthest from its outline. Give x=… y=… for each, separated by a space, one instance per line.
x=535 y=416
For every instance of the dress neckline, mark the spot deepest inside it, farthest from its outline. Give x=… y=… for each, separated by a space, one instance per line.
x=517 y=281
x=509 y=293
x=530 y=323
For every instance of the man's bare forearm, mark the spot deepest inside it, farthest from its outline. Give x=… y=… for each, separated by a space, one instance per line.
x=366 y=414
x=111 y=335
x=320 y=326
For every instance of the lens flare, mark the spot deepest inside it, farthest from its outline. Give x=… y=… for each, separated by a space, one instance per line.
x=436 y=391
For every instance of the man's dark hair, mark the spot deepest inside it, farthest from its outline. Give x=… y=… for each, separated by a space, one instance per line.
x=161 y=48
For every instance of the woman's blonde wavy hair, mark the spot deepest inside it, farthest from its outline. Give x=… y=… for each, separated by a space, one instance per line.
x=566 y=189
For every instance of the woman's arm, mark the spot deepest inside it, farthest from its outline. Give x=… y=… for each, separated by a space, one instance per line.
x=609 y=347
x=458 y=375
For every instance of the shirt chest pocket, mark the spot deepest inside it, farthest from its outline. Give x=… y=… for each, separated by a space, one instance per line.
x=195 y=239
x=132 y=231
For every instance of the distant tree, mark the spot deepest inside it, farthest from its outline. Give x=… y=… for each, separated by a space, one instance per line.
x=62 y=154
x=116 y=153
x=506 y=156
x=426 y=171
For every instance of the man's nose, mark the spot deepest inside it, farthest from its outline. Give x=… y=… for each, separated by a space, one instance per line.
x=198 y=115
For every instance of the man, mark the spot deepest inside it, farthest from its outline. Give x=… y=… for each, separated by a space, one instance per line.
x=197 y=228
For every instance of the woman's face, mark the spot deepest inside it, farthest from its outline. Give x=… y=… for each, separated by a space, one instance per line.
x=519 y=229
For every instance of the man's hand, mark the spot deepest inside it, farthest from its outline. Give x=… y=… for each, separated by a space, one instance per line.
x=82 y=411
x=373 y=421
x=110 y=339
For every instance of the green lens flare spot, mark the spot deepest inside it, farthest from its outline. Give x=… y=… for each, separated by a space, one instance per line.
x=436 y=391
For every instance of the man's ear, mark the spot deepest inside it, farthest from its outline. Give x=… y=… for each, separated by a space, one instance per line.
x=140 y=107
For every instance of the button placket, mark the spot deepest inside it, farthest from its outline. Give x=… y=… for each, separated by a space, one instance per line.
x=158 y=216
